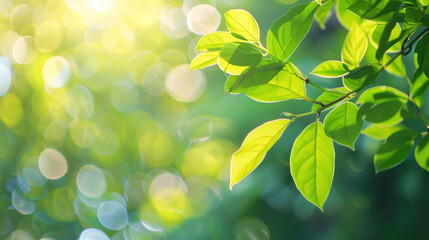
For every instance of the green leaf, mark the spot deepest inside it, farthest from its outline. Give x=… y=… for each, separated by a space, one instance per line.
x=375 y=31
x=204 y=59
x=361 y=77
x=421 y=153
x=242 y=23
x=396 y=67
x=331 y=69
x=255 y=146
x=354 y=47
x=329 y=96
x=289 y=30
x=312 y=164
x=235 y=58
x=343 y=124
x=323 y=13
x=375 y=10
x=422 y=52
x=419 y=86
x=381 y=132
x=394 y=150
x=424 y=2
x=346 y=17
x=387 y=113
x=413 y=15
x=271 y=83
x=381 y=94
x=215 y=40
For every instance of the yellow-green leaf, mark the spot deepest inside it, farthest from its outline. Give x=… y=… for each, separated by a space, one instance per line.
x=331 y=69
x=381 y=132
x=354 y=47
x=255 y=146
x=216 y=40
x=204 y=59
x=242 y=23
x=312 y=164
x=235 y=58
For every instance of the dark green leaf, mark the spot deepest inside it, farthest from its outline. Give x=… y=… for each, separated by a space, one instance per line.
x=394 y=150
x=375 y=10
x=288 y=31
x=422 y=153
x=312 y=164
x=387 y=113
x=343 y=124
x=422 y=52
x=235 y=58
x=361 y=77
x=419 y=86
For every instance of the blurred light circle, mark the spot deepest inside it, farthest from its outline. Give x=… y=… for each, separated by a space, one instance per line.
x=174 y=22
x=100 y=5
x=31 y=174
x=80 y=103
x=118 y=41
x=21 y=235
x=22 y=204
x=93 y=234
x=83 y=133
x=189 y=4
x=20 y=50
x=56 y=72
x=112 y=215
x=252 y=228
x=203 y=19
x=5 y=75
x=91 y=181
x=20 y=16
x=185 y=85
x=106 y=143
x=52 y=164
x=48 y=36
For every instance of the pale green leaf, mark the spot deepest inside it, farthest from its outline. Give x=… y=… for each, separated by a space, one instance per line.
x=271 y=83
x=242 y=23
x=235 y=58
x=381 y=94
x=421 y=153
x=312 y=164
x=289 y=30
x=424 y=2
x=204 y=59
x=354 y=47
x=343 y=124
x=396 y=67
x=215 y=40
x=323 y=13
x=346 y=17
x=381 y=132
x=329 y=96
x=255 y=146
x=331 y=69
x=394 y=151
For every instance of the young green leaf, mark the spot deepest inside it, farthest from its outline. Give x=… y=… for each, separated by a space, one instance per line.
x=288 y=31
x=312 y=164
x=346 y=17
x=419 y=86
x=361 y=77
x=424 y=2
x=204 y=59
x=215 y=40
x=396 y=67
x=394 y=150
x=329 y=96
x=421 y=153
x=271 y=83
x=255 y=146
x=376 y=31
x=343 y=124
x=386 y=113
x=323 y=13
x=381 y=132
x=242 y=23
x=331 y=69
x=235 y=58
x=376 y=10
x=354 y=47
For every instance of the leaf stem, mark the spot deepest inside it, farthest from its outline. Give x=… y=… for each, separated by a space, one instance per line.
x=314 y=101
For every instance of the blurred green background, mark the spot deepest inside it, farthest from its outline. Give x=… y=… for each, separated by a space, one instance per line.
x=105 y=134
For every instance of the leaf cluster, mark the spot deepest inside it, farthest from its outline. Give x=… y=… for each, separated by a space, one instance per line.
x=389 y=28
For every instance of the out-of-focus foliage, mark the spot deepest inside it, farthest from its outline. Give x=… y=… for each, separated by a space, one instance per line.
x=106 y=134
